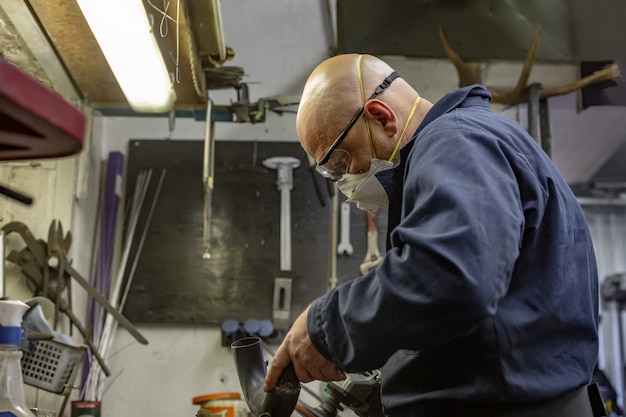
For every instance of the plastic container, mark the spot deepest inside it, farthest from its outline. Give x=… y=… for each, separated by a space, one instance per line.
x=85 y=408
x=224 y=404
x=50 y=365
x=12 y=401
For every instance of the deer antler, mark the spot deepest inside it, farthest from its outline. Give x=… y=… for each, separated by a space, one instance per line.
x=519 y=94
x=522 y=83
x=608 y=73
x=466 y=75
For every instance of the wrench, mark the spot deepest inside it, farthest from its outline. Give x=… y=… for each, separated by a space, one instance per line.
x=344 y=245
x=372 y=257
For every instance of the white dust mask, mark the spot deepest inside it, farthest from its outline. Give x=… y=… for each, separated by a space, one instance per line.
x=365 y=190
x=350 y=182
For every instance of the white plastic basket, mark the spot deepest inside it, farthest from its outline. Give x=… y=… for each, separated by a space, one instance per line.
x=50 y=365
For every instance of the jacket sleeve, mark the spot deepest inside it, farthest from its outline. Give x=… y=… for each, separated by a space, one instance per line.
x=451 y=256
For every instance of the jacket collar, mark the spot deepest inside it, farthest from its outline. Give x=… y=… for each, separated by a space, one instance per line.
x=472 y=95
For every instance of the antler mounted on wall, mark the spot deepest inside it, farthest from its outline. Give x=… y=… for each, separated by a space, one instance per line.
x=520 y=93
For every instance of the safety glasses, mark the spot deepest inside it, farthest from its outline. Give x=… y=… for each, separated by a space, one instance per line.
x=335 y=162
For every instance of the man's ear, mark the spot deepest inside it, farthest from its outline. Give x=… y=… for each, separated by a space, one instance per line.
x=379 y=111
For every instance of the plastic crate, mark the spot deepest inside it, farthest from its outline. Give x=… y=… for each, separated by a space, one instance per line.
x=50 y=364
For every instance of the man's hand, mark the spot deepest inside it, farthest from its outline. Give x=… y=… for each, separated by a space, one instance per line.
x=308 y=363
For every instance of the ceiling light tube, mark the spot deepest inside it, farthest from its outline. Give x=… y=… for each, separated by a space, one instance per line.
x=124 y=34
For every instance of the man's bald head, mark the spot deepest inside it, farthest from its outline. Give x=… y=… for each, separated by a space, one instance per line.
x=332 y=95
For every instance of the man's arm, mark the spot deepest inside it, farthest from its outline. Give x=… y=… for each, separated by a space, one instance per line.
x=308 y=363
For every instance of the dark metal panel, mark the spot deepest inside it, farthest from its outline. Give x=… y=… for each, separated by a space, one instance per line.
x=598 y=29
x=173 y=284
x=478 y=29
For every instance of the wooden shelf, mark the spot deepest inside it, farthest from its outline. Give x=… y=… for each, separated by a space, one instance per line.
x=35 y=121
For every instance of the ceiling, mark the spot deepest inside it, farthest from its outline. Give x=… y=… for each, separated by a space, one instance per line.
x=190 y=39
x=572 y=31
x=39 y=32
x=590 y=141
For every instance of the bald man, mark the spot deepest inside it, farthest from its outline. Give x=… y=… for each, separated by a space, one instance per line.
x=486 y=302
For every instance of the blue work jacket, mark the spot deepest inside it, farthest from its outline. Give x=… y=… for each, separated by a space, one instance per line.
x=488 y=290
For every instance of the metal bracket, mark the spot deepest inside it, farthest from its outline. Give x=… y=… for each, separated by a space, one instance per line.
x=282 y=303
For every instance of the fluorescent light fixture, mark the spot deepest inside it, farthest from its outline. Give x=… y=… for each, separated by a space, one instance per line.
x=123 y=32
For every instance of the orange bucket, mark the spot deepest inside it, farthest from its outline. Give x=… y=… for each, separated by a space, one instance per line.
x=223 y=404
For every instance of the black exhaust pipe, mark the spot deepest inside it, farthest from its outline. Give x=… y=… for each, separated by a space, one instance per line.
x=251 y=370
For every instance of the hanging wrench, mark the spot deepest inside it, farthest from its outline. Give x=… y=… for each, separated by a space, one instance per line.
x=344 y=245
x=372 y=257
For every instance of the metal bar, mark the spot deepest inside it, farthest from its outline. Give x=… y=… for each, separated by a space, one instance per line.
x=334 y=222
x=281 y=314
x=285 y=229
x=133 y=268
x=2 y=278
x=533 y=112
x=544 y=120
x=618 y=349
x=16 y=195
x=594 y=201
x=207 y=179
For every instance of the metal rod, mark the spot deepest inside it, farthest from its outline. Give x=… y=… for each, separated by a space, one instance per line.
x=533 y=112
x=334 y=222
x=618 y=349
x=15 y=195
x=285 y=230
x=207 y=180
x=593 y=201
x=2 y=278
x=133 y=268
x=544 y=120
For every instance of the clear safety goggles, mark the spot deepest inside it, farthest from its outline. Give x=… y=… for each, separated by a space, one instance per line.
x=335 y=162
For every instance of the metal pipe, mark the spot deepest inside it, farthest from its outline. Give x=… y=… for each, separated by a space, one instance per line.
x=533 y=112
x=2 y=278
x=596 y=201
x=544 y=128
x=207 y=179
x=618 y=349
x=334 y=222
x=285 y=229
x=250 y=366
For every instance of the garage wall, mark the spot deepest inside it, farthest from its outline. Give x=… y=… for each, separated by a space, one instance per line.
x=608 y=228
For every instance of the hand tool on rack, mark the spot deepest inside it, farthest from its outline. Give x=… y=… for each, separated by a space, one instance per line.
x=372 y=257
x=32 y=273
x=54 y=254
x=284 y=165
x=36 y=248
x=345 y=247
x=58 y=247
x=33 y=260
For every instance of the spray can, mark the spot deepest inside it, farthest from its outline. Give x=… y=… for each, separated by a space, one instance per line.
x=12 y=403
